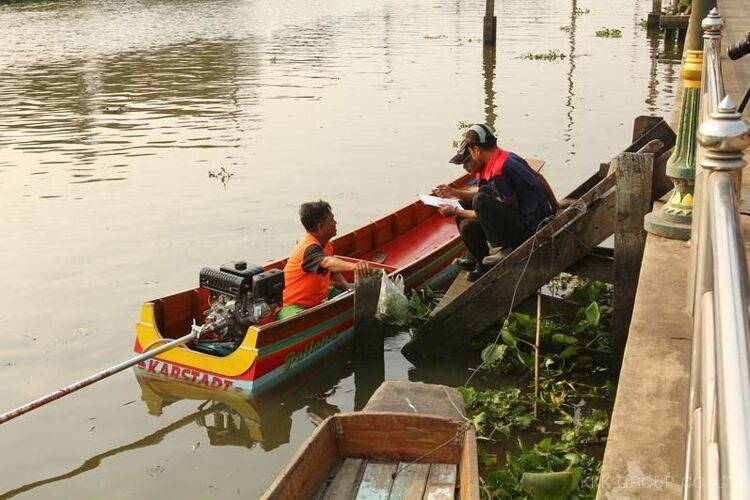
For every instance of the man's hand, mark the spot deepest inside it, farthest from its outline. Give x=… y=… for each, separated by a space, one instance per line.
x=447 y=210
x=360 y=268
x=444 y=191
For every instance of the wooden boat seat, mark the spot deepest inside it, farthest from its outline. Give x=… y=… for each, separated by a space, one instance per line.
x=360 y=478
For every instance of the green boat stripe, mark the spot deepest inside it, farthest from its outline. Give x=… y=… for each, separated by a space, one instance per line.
x=305 y=334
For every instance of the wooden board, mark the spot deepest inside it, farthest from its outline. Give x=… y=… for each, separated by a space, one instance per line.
x=441 y=484
x=376 y=481
x=346 y=480
x=410 y=481
x=468 y=468
x=397 y=436
x=634 y=175
x=398 y=396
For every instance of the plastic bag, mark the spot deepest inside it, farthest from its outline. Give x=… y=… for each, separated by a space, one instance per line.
x=393 y=305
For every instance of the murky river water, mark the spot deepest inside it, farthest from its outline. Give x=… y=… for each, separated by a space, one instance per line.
x=112 y=116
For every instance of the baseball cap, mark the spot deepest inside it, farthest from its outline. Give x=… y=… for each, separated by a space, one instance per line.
x=477 y=134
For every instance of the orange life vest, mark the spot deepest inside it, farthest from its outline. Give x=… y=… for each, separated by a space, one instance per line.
x=304 y=288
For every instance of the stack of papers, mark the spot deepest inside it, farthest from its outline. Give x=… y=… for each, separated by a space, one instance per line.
x=436 y=201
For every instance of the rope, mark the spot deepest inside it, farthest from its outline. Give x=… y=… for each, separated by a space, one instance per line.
x=513 y=297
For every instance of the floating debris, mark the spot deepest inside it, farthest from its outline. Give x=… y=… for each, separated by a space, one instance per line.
x=155 y=471
x=609 y=33
x=196 y=445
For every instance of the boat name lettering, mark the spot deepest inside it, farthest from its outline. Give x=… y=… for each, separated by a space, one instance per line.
x=163 y=369
x=294 y=357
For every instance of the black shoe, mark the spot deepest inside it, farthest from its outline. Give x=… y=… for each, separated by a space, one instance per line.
x=465 y=263
x=477 y=273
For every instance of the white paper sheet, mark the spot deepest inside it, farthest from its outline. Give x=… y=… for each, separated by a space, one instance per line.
x=436 y=201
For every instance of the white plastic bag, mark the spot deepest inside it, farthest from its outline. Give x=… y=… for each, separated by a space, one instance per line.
x=393 y=305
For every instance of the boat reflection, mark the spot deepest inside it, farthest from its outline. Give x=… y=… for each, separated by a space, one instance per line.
x=231 y=419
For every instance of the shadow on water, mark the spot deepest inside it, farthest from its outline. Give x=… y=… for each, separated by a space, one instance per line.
x=129 y=102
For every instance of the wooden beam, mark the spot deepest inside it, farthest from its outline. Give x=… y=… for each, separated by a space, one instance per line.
x=633 y=172
x=368 y=330
x=679 y=21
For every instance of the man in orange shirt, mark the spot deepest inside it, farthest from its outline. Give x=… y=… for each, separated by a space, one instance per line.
x=313 y=274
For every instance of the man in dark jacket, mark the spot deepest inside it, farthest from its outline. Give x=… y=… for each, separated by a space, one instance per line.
x=510 y=205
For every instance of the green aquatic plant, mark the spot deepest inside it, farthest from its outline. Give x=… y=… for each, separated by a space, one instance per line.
x=558 y=451
x=550 y=55
x=567 y=28
x=609 y=33
x=579 y=11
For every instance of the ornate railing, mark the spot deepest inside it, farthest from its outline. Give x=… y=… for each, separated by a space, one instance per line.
x=718 y=445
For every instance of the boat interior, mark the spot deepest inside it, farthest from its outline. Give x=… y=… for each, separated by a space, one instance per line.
x=381 y=455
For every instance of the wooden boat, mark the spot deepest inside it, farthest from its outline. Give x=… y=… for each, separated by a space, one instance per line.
x=415 y=242
x=357 y=455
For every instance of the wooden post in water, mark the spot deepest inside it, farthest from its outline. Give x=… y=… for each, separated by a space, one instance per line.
x=368 y=330
x=653 y=16
x=489 y=33
x=633 y=173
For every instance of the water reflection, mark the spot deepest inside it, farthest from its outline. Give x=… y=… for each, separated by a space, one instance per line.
x=130 y=103
x=489 y=59
x=570 y=98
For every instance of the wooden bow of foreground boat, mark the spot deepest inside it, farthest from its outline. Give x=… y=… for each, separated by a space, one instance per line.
x=382 y=455
x=415 y=241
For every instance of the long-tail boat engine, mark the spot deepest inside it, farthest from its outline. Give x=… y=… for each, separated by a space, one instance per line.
x=241 y=295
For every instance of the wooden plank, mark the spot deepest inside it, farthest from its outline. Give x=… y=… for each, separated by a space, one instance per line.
x=376 y=481
x=410 y=481
x=396 y=396
x=678 y=21
x=633 y=202
x=308 y=469
x=468 y=468
x=396 y=436
x=441 y=484
x=346 y=481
